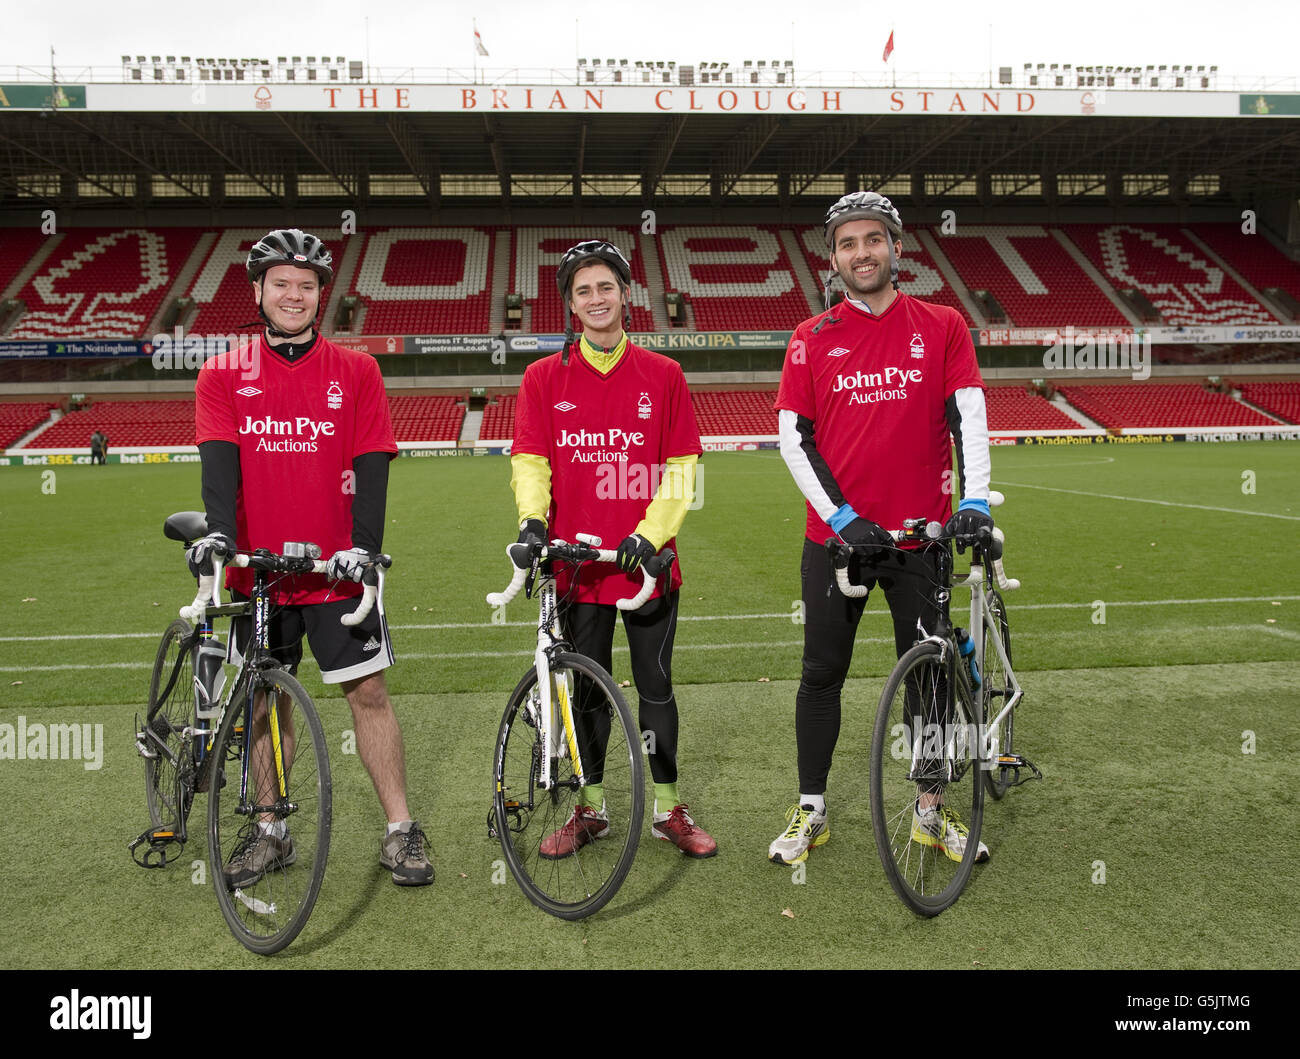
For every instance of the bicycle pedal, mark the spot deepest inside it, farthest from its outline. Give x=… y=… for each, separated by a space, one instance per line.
x=160 y=841
x=1018 y=762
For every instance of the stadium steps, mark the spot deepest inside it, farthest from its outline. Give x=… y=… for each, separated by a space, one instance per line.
x=182 y=283
x=343 y=282
x=28 y=271
x=470 y=427
x=950 y=274
x=1241 y=280
x=654 y=278
x=500 y=280
x=1100 y=281
x=1237 y=396
x=1069 y=409
x=40 y=428
x=799 y=264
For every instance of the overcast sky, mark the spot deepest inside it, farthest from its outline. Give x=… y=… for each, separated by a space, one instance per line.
x=1247 y=38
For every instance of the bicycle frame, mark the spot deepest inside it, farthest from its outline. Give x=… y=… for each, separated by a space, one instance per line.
x=549 y=639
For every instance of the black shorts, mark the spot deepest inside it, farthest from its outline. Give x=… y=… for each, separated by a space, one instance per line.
x=342 y=652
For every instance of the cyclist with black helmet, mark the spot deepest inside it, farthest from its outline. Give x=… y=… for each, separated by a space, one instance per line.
x=870 y=391
x=606 y=443
x=295 y=440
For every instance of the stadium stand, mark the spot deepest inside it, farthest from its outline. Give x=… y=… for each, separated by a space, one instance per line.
x=18 y=417
x=1281 y=399
x=1161 y=263
x=426 y=281
x=428 y=418
x=127 y=424
x=917 y=273
x=498 y=419
x=535 y=255
x=1030 y=273
x=1014 y=408
x=744 y=413
x=17 y=245
x=735 y=277
x=1159 y=406
x=103 y=283
x=1258 y=261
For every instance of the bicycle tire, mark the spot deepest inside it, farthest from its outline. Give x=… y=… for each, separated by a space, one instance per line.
x=574 y=885
x=995 y=693
x=266 y=911
x=169 y=777
x=924 y=876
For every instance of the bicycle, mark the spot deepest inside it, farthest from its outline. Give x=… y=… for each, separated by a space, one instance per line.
x=567 y=727
x=273 y=771
x=935 y=733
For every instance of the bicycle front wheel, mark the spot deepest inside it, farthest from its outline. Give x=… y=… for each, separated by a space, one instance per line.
x=269 y=811
x=169 y=764
x=996 y=693
x=924 y=756
x=569 y=863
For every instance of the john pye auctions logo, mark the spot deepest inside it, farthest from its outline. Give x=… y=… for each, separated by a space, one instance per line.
x=302 y=426
x=604 y=446
x=871 y=386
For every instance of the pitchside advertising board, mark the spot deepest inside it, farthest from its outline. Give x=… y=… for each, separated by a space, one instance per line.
x=646 y=99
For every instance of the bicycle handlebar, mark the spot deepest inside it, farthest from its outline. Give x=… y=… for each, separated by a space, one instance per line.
x=210 y=584
x=578 y=553
x=921 y=531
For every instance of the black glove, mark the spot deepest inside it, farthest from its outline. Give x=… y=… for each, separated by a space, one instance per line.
x=199 y=554
x=532 y=534
x=969 y=522
x=633 y=552
x=865 y=534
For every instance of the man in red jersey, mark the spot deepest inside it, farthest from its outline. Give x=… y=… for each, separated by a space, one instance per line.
x=297 y=449
x=870 y=392
x=594 y=425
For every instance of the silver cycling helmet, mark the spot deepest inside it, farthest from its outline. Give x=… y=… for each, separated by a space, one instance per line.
x=862 y=205
x=290 y=246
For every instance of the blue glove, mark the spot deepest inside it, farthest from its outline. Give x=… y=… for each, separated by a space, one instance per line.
x=633 y=552
x=199 y=554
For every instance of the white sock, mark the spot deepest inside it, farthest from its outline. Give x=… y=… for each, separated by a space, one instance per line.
x=817 y=801
x=401 y=825
x=275 y=828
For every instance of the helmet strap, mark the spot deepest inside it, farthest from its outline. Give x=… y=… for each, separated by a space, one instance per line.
x=893 y=260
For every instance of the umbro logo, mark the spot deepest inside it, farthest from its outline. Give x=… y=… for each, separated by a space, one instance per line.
x=838 y=351
x=371 y=645
x=565 y=406
x=248 y=391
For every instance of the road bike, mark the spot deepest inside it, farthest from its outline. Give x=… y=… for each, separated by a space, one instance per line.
x=258 y=753
x=944 y=727
x=567 y=730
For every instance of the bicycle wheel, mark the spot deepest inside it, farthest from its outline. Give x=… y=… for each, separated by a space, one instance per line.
x=169 y=774
x=569 y=869
x=996 y=693
x=910 y=765
x=269 y=811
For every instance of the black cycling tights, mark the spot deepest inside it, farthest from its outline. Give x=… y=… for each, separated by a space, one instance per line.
x=830 y=626
x=650 y=633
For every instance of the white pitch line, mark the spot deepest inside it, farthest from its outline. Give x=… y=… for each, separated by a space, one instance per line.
x=1145 y=500
x=1282 y=632
x=782 y=615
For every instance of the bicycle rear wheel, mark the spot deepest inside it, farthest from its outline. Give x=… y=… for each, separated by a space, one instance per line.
x=911 y=766
x=996 y=693
x=169 y=773
x=269 y=811
x=567 y=866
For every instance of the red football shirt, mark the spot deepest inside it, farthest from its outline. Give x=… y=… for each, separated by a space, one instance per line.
x=298 y=426
x=607 y=438
x=875 y=388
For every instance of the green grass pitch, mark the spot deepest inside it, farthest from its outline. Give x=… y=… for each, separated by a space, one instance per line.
x=1156 y=634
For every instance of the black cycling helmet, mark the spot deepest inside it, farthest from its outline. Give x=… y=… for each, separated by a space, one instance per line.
x=862 y=205
x=591 y=252
x=602 y=253
x=290 y=246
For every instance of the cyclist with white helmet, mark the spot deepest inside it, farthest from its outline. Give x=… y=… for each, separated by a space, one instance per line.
x=870 y=391
x=606 y=444
x=295 y=442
